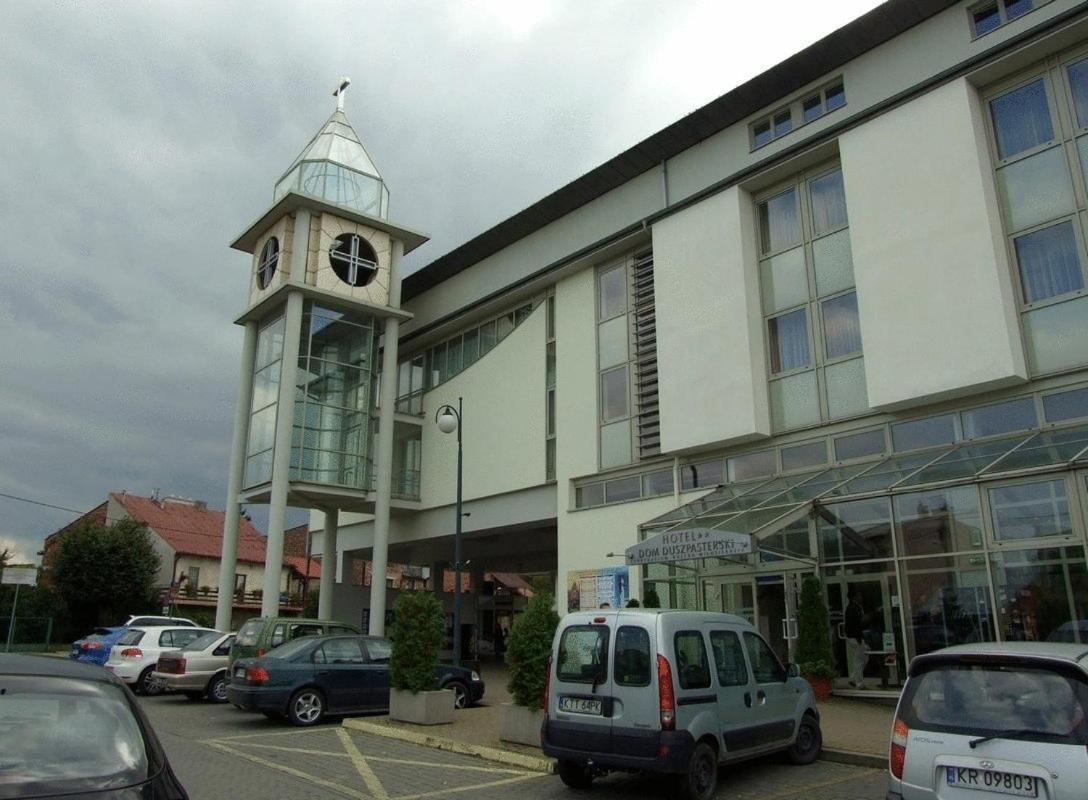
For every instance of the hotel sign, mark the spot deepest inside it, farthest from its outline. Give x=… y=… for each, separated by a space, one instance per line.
x=689 y=544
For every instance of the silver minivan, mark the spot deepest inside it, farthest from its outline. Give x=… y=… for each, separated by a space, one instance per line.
x=670 y=692
x=987 y=721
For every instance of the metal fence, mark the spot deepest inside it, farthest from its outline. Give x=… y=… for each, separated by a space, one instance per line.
x=30 y=634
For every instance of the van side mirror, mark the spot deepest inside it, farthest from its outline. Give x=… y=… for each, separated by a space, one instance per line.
x=793 y=671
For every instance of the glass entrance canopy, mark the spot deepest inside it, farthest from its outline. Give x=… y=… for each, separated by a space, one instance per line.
x=763 y=509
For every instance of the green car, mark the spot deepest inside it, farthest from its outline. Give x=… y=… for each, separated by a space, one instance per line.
x=261 y=634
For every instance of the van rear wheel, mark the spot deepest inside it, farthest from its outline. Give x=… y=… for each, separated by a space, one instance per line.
x=701 y=779
x=806 y=747
x=575 y=775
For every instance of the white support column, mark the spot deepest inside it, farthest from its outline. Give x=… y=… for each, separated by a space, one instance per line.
x=228 y=561
x=383 y=484
x=281 y=457
x=329 y=562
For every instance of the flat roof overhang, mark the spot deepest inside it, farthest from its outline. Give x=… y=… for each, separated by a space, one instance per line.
x=320 y=497
x=293 y=201
x=326 y=298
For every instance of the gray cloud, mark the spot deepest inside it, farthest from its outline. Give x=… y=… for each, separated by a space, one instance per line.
x=137 y=139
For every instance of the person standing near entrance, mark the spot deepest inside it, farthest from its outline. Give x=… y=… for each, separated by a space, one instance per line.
x=854 y=628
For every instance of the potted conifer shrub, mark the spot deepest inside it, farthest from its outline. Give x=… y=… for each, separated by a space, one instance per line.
x=528 y=650
x=815 y=658
x=650 y=599
x=417 y=637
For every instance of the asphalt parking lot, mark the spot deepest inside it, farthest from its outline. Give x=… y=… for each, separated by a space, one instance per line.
x=219 y=752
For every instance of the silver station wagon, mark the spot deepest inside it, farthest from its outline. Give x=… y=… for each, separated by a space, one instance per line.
x=671 y=692
x=992 y=721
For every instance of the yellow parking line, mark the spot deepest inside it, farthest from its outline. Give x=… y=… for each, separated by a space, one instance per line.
x=303 y=776
x=386 y=760
x=455 y=789
x=292 y=732
x=367 y=774
x=808 y=787
x=292 y=749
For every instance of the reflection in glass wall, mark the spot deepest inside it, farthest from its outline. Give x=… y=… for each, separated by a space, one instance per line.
x=939 y=521
x=948 y=602
x=262 y=407
x=332 y=415
x=855 y=531
x=1042 y=594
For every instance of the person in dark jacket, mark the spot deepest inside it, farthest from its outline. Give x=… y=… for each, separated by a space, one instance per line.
x=854 y=629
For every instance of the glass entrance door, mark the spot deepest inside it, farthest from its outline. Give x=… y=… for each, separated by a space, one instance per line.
x=877 y=601
x=768 y=601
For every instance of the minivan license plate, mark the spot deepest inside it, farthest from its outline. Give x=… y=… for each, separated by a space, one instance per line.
x=580 y=705
x=992 y=781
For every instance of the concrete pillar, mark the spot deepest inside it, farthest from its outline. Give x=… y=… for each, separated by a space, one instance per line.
x=383 y=483
x=329 y=563
x=281 y=457
x=228 y=561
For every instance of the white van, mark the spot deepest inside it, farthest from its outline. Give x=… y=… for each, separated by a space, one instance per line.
x=670 y=691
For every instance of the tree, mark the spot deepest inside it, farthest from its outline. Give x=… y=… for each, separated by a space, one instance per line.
x=651 y=600
x=312 y=598
x=417 y=636
x=529 y=648
x=815 y=657
x=103 y=573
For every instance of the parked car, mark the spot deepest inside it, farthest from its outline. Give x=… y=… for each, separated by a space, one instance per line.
x=133 y=657
x=312 y=676
x=671 y=692
x=71 y=729
x=197 y=670
x=261 y=634
x=95 y=647
x=983 y=720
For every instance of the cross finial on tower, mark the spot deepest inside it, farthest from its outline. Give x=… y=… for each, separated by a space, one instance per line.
x=345 y=82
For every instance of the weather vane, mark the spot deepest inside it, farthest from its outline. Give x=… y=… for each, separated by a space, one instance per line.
x=345 y=82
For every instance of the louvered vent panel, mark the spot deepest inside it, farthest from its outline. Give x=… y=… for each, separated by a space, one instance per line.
x=645 y=321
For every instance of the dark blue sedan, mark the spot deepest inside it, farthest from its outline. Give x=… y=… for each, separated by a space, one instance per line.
x=307 y=678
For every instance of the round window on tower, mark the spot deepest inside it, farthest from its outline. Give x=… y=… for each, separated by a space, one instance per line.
x=266 y=267
x=353 y=259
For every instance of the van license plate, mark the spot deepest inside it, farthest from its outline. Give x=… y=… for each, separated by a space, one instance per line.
x=580 y=705
x=992 y=781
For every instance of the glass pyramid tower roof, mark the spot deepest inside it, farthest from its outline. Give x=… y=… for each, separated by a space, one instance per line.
x=335 y=167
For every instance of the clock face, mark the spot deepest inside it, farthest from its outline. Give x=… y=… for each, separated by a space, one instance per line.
x=266 y=266
x=353 y=259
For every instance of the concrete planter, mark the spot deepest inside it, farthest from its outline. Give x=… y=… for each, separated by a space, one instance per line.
x=520 y=724
x=424 y=708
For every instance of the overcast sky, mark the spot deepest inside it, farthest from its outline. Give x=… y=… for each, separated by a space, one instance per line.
x=137 y=139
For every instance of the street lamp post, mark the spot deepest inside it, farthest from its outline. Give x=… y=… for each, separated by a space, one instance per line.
x=450 y=419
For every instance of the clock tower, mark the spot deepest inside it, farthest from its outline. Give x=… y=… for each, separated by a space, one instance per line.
x=323 y=308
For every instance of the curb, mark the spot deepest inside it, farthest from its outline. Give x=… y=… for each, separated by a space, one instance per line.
x=534 y=763
x=854 y=758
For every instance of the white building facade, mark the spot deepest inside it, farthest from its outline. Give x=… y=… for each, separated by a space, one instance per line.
x=841 y=308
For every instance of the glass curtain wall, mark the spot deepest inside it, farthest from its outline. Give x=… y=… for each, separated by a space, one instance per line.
x=331 y=438
x=262 y=407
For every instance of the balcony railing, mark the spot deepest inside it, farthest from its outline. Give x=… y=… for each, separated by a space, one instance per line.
x=208 y=595
x=406 y=484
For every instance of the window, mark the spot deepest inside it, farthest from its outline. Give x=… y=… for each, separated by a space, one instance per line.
x=919 y=433
x=279 y=635
x=811 y=454
x=353 y=259
x=728 y=659
x=130 y=638
x=615 y=360
x=452 y=357
x=766 y=668
x=800 y=112
x=591 y=495
x=583 y=654
x=618 y=490
x=1039 y=130
x=939 y=521
x=1071 y=404
x=859 y=445
x=751 y=465
x=1030 y=510
x=379 y=650
x=623 y=489
x=1014 y=415
x=193 y=578
x=858 y=530
x=342 y=651
x=693 y=670
x=703 y=474
x=263 y=402
x=657 y=483
x=809 y=303
x=632 y=666
x=266 y=265
x=239 y=583
x=549 y=390
x=991 y=15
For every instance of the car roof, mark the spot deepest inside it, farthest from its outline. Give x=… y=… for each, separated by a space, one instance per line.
x=1076 y=654
x=49 y=666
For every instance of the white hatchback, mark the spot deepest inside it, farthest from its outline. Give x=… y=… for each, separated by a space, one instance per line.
x=134 y=656
x=993 y=721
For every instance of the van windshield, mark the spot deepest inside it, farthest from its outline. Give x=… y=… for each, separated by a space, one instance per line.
x=247 y=636
x=583 y=654
x=1023 y=702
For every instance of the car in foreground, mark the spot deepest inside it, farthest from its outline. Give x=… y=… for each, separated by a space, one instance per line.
x=314 y=676
x=72 y=730
x=199 y=669
x=991 y=721
x=262 y=634
x=133 y=657
x=674 y=692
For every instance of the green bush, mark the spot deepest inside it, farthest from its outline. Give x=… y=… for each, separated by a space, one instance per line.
x=528 y=650
x=815 y=657
x=417 y=637
x=651 y=600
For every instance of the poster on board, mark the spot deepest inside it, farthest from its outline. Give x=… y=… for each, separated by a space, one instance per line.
x=607 y=587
